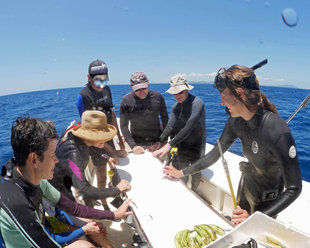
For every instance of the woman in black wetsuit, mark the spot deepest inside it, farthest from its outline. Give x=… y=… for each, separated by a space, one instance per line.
x=271 y=179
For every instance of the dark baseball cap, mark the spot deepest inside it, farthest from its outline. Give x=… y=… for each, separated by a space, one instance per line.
x=98 y=67
x=138 y=80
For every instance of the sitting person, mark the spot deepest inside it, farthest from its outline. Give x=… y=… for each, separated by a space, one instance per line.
x=142 y=108
x=24 y=187
x=73 y=151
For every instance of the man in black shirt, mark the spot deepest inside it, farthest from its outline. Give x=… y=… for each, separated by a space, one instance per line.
x=142 y=108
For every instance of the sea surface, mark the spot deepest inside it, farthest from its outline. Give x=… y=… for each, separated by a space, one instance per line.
x=59 y=106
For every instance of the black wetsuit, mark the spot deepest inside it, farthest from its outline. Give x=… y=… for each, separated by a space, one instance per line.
x=271 y=180
x=73 y=155
x=91 y=99
x=143 y=114
x=186 y=128
x=22 y=212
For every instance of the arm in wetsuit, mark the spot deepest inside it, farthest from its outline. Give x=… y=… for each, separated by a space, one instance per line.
x=76 y=209
x=77 y=164
x=227 y=138
x=20 y=223
x=284 y=145
x=163 y=112
x=80 y=105
x=66 y=238
x=124 y=123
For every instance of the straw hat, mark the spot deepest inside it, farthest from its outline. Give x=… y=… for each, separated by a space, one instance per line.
x=94 y=127
x=178 y=83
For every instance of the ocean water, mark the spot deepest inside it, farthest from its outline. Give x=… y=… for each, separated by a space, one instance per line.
x=59 y=106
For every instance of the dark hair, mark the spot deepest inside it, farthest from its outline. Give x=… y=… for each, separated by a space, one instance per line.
x=256 y=101
x=31 y=135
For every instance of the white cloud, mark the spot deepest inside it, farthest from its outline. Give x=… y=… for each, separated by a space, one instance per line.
x=197 y=75
x=201 y=75
x=270 y=79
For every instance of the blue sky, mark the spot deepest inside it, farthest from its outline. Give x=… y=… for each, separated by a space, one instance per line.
x=49 y=44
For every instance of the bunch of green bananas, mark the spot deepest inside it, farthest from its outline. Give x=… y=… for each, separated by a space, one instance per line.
x=202 y=235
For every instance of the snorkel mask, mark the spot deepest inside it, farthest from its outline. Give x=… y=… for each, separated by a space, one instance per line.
x=100 y=81
x=250 y=83
x=221 y=82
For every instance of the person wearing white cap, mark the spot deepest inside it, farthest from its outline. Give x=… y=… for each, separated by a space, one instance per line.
x=186 y=128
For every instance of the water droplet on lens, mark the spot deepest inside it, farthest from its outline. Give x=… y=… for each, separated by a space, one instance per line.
x=267 y=4
x=290 y=17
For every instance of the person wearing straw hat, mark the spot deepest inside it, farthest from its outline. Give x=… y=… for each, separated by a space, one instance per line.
x=73 y=151
x=96 y=95
x=24 y=187
x=186 y=128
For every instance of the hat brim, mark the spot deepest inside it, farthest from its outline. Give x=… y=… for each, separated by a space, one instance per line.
x=177 y=89
x=139 y=86
x=94 y=134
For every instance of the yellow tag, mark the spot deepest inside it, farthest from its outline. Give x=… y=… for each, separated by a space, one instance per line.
x=173 y=151
x=110 y=174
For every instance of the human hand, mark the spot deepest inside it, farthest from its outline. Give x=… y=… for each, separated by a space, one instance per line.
x=138 y=150
x=121 y=153
x=122 y=211
x=154 y=147
x=162 y=151
x=112 y=162
x=94 y=228
x=172 y=172
x=123 y=185
x=239 y=215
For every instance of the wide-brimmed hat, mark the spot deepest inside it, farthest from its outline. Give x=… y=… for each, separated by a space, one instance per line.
x=98 y=67
x=178 y=83
x=94 y=127
x=139 y=80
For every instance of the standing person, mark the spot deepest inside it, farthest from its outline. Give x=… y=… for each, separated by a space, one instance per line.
x=271 y=179
x=96 y=95
x=73 y=151
x=142 y=108
x=24 y=187
x=186 y=128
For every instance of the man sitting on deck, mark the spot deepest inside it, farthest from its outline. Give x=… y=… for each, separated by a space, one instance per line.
x=24 y=187
x=142 y=108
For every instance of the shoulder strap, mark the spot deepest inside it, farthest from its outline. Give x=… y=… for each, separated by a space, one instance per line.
x=64 y=136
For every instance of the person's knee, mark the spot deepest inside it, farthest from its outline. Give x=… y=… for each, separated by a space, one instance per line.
x=81 y=243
